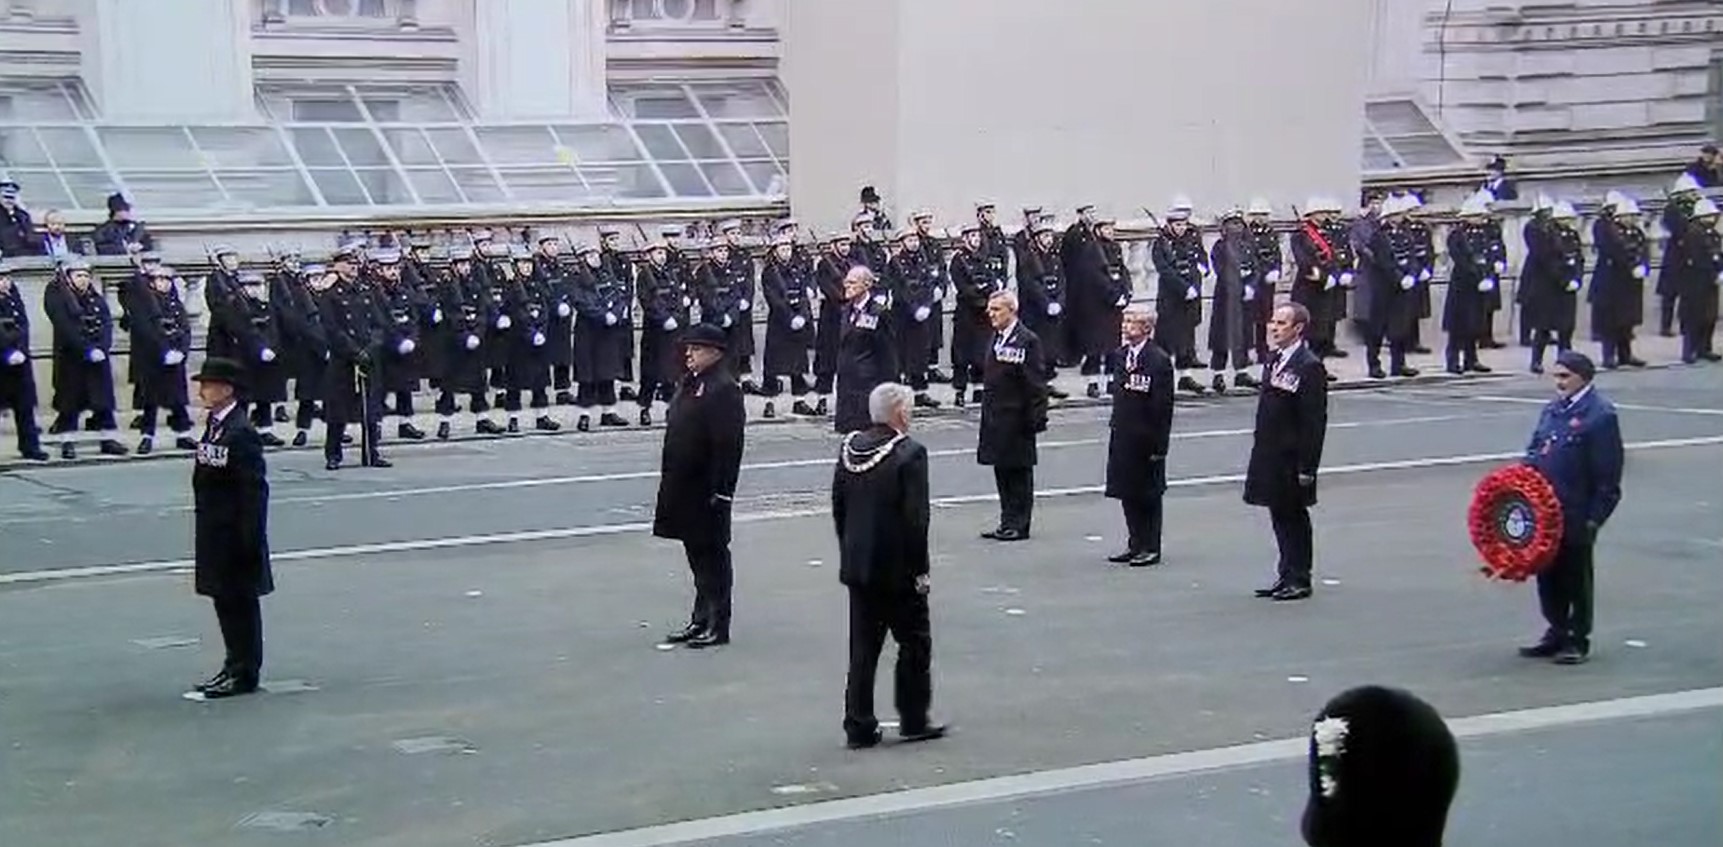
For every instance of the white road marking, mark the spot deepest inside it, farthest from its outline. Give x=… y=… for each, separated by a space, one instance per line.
x=598 y=530
x=1110 y=774
x=1626 y=407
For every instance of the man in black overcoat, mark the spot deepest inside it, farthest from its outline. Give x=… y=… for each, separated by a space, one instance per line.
x=881 y=509
x=867 y=353
x=231 y=489
x=1291 y=423
x=702 y=458
x=1013 y=412
x=1141 y=428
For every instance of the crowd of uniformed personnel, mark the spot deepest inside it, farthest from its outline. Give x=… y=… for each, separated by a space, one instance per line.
x=510 y=326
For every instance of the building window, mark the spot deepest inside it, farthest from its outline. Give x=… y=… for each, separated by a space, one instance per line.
x=1714 y=100
x=374 y=9
x=1399 y=135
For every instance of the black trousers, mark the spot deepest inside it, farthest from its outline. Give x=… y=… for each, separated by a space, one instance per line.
x=65 y=422
x=1617 y=347
x=1541 y=339
x=873 y=613
x=178 y=420
x=262 y=414
x=241 y=620
x=713 y=578
x=600 y=393
x=1016 y=497
x=335 y=409
x=1374 y=337
x=476 y=402
x=403 y=407
x=1143 y=523
x=304 y=414
x=24 y=417
x=799 y=385
x=1666 y=313
x=1696 y=340
x=1564 y=595
x=1462 y=350
x=962 y=375
x=540 y=399
x=1296 y=539
x=561 y=377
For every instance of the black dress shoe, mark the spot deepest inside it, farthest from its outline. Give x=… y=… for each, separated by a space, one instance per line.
x=563 y=398
x=1122 y=557
x=380 y=462
x=1271 y=590
x=110 y=447
x=545 y=424
x=1338 y=354
x=1290 y=592
x=1058 y=394
x=928 y=732
x=822 y=408
x=443 y=431
x=771 y=410
x=707 y=639
x=582 y=424
x=801 y=407
x=627 y=394
x=185 y=442
x=1190 y=384
x=1407 y=372
x=1542 y=650
x=332 y=464
x=1011 y=535
x=1480 y=368
x=33 y=454
x=410 y=432
x=1245 y=380
x=1378 y=373
x=67 y=451
x=270 y=439
x=301 y=438
x=1145 y=559
x=645 y=417
x=1421 y=350
x=346 y=438
x=281 y=414
x=992 y=534
x=1570 y=655
x=486 y=426
x=863 y=742
x=1218 y=385
x=685 y=634
x=220 y=678
x=231 y=686
x=1093 y=392
x=1633 y=362
x=1456 y=370
x=137 y=423
x=146 y=445
x=514 y=426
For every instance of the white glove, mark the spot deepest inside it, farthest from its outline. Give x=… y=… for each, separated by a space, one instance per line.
x=1346 y=278
x=610 y=319
x=1639 y=272
x=1330 y=283
x=744 y=306
x=882 y=298
x=97 y=355
x=436 y=316
x=266 y=355
x=172 y=357
x=406 y=347
x=797 y=322
x=670 y=324
x=1208 y=273
x=1192 y=293
x=1573 y=285
x=728 y=321
x=1055 y=309
x=1501 y=267
x=1120 y=303
x=472 y=342
x=1486 y=285
x=504 y=322
x=1272 y=277
x=1249 y=293
x=1720 y=279
x=1424 y=275
x=15 y=358
x=922 y=313
x=538 y=339
x=1406 y=282
x=563 y=311
x=687 y=302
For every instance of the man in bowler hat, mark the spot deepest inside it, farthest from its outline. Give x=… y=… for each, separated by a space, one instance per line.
x=231 y=491
x=697 y=481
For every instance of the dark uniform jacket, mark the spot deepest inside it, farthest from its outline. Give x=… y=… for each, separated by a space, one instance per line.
x=664 y=298
x=112 y=237
x=880 y=505
x=353 y=327
x=1676 y=214
x=1617 y=293
x=1014 y=407
x=1233 y=258
x=1316 y=253
x=1698 y=273
x=231 y=495
x=702 y=459
x=82 y=325
x=1181 y=265
x=160 y=325
x=17 y=232
x=1465 y=311
x=1577 y=447
x=404 y=311
x=251 y=327
x=722 y=290
x=1291 y=423
x=1141 y=422
x=1041 y=286
x=17 y=382
x=973 y=277
x=606 y=309
x=788 y=288
x=468 y=316
x=829 y=275
x=1555 y=263
x=867 y=356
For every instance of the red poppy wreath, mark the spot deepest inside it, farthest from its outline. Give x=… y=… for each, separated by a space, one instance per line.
x=1516 y=522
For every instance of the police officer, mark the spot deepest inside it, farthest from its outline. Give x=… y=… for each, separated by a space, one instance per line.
x=467 y=321
x=881 y=509
x=17 y=374
x=702 y=459
x=605 y=313
x=974 y=278
x=231 y=488
x=1555 y=263
x=1013 y=412
x=1286 y=450
x=1698 y=273
x=665 y=313
x=915 y=300
x=787 y=283
x=1465 y=309
x=1617 y=292
x=405 y=311
x=1182 y=266
x=161 y=342
x=17 y=230
x=867 y=352
x=353 y=327
x=83 y=376
x=1236 y=292
x=1043 y=291
x=1577 y=447
x=1141 y=429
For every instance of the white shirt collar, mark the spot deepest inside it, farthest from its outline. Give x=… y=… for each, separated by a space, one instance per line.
x=1006 y=332
x=1579 y=395
x=220 y=414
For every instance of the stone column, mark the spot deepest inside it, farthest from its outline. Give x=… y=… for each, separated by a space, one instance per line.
x=540 y=59
x=171 y=60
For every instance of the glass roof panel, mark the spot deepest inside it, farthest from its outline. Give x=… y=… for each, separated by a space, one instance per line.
x=70 y=147
x=627 y=181
x=478 y=185
x=28 y=101
x=1423 y=151
x=767 y=177
x=362 y=148
x=90 y=189
x=316 y=148
x=600 y=143
x=455 y=146
x=684 y=180
x=653 y=102
x=385 y=186
x=660 y=142
x=737 y=100
x=339 y=187
x=241 y=147
x=410 y=146
x=41 y=189
x=552 y=184
x=266 y=189
x=700 y=141
x=1377 y=157
x=433 y=186
x=1398 y=117
x=181 y=189
x=19 y=148
x=148 y=147
x=727 y=179
x=744 y=140
x=526 y=145
x=777 y=136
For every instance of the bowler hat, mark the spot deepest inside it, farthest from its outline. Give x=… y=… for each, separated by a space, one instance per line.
x=225 y=371
x=869 y=194
x=705 y=335
x=117 y=203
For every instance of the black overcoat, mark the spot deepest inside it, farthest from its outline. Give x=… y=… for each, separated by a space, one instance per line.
x=867 y=357
x=17 y=382
x=1555 y=266
x=528 y=304
x=404 y=310
x=301 y=333
x=788 y=288
x=159 y=326
x=253 y=327
x=881 y=510
x=1043 y=294
x=82 y=326
x=230 y=491
x=702 y=458
x=1617 y=292
x=1699 y=273
x=353 y=328
x=605 y=322
x=559 y=335
x=1291 y=424
x=1233 y=258
x=1180 y=265
x=1014 y=409
x=463 y=333
x=665 y=313
x=1466 y=308
x=829 y=276
x=1141 y=424
x=915 y=309
x=973 y=279
x=1317 y=283
x=722 y=291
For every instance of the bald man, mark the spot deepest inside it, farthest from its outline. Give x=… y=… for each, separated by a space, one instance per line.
x=1013 y=412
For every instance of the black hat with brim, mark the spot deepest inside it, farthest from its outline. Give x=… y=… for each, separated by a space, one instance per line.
x=219 y=370
x=705 y=335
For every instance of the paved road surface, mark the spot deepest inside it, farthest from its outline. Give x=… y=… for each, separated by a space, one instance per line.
x=462 y=646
